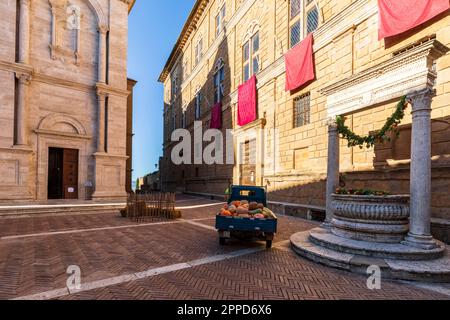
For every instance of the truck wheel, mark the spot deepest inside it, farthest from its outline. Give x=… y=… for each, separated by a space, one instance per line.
x=269 y=244
x=222 y=241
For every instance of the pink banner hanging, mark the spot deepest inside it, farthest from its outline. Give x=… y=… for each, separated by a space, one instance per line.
x=299 y=64
x=398 y=16
x=216 y=116
x=247 y=102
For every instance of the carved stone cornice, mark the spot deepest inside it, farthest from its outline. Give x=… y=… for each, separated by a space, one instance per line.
x=105 y=89
x=16 y=67
x=408 y=71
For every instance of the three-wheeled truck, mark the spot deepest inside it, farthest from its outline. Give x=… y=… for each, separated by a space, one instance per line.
x=247 y=228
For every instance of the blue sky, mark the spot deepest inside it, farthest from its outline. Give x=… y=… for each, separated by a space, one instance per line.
x=154 y=27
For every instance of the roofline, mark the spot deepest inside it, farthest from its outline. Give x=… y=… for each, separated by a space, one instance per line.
x=188 y=27
x=131 y=5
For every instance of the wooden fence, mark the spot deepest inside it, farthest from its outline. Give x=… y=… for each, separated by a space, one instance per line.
x=141 y=206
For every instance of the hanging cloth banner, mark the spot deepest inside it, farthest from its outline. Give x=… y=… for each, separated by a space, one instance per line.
x=398 y=16
x=300 y=64
x=247 y=102
x=216 y=116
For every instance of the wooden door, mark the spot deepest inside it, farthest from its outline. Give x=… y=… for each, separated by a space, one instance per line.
x=248 y=163
x=70 y=174
x=55 y=174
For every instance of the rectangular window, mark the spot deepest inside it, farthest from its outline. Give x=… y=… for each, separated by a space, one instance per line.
x=303 y=19
x=251 y=65
x=220 y=20
x=312 y=20
x=296 y=8
x=302 y=110
x=174 y=87
x=295 y=23
x=198 y=106
x=199 y=52
x=218 y=85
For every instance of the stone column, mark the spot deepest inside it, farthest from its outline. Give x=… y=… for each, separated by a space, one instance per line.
x=102 y=54
x=420 y=220
x=24 y=79
x=21 y=111
x=101 y=123
x=332 y=169
x=24 y=31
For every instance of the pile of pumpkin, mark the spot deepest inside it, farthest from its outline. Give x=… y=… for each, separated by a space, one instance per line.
x=245 y=209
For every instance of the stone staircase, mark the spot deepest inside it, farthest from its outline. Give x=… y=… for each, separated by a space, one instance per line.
x=57 y=208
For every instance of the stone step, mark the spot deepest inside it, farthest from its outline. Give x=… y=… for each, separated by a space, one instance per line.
x=373 y=249
x=436 y=271
x=34 y=210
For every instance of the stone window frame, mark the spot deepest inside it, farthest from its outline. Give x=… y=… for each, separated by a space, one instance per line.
x=198 y=50
x=301 y=19
x=302 y=101
x=219 y=78
x=175 y=87
x=220 y=18
x=198 y=104
x=249 y=58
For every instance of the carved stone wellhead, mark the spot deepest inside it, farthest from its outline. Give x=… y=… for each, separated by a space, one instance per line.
x=382 y=219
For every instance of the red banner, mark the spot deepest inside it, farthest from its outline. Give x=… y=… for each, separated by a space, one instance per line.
x=247 y=102
x=216 y=116
x=398 y=16
x=300 y=64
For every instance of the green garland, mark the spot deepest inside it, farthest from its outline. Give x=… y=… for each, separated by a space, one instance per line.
x=381 y=136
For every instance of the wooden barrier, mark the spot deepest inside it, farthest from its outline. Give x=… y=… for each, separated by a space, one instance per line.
x=141 y=206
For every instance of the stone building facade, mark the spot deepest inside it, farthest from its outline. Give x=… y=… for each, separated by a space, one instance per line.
x=356 y=75
x=63 y=100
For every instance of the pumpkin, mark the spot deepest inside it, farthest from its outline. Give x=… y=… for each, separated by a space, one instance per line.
x=242 y=210
x=225 y=207
x=253 y=206
x=236 y=203
x=227 y=213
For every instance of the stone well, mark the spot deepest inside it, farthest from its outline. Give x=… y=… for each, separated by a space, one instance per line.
x=382 y=219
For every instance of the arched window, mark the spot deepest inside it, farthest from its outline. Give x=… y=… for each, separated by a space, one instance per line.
x=303 y=19
x=250 y=54
x=219 y=77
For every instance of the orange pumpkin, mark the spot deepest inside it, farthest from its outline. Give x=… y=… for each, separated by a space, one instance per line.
x=227 y=213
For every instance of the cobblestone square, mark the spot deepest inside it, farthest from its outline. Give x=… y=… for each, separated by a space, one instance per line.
x=179 y=259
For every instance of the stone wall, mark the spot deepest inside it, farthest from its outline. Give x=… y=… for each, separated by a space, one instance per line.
x=61 y=105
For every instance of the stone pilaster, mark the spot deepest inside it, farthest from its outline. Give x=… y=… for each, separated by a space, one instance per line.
x=24 y=32
x=102 y=54
x=420 y=220
x=332 y=169
x=21 y=111
x=101 y=97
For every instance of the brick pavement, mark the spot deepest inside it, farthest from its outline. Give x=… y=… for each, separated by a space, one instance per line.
x=38 y=263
